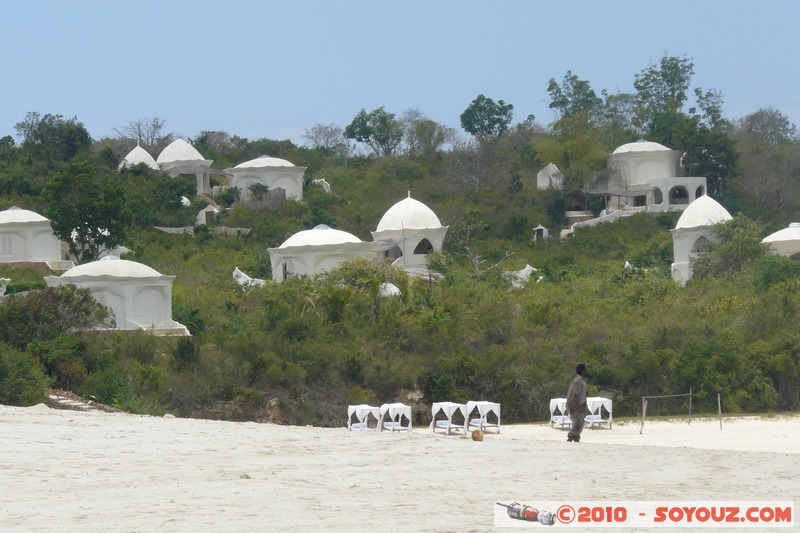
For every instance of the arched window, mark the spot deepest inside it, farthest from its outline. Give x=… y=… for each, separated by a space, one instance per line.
x=423 y=247
x=393 y=253
x=699 y=192
x=658 y=196
x=678 y=195
x=701 y=245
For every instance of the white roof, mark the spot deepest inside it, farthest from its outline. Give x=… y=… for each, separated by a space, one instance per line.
x=409 y=214
x=319 y=235
x=111 y=265
x=265 y=161
x=641 y=146
x=792 y=233
x=179 y=150
x=705 y=211
x=17 y=215
x=136 y=156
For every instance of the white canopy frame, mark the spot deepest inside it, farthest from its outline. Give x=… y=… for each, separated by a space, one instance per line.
x=559 y=405
x=596 y=405
x=485 y=409
x=361 y=413
x=398 y=413
x=448 y=409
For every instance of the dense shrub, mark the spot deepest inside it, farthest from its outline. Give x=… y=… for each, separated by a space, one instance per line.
x=22 y=381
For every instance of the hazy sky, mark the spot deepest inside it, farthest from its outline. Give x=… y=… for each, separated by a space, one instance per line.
x=273 y=69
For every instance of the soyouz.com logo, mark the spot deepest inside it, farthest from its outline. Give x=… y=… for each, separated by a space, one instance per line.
x=686 y=514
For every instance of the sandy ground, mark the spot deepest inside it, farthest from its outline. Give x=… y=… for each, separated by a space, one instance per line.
x=95 y=471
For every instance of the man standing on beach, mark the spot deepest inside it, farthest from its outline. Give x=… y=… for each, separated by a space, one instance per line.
x=576 y=402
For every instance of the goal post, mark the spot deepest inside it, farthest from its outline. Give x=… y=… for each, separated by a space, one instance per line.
x=646 y=400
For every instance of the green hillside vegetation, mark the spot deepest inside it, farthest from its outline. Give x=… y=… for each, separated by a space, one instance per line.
x=300 y=351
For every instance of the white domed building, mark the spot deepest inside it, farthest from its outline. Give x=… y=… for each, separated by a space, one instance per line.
x=408 y=231
x=785 y=242
x=181 y=159
x=693 y=233
x=138 y=156
x=309 y=252
x=26 y=236
x=272 y=172
x=647 y=176
x=139 y=296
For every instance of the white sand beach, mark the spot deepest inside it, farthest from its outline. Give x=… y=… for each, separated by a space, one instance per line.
x=95 y=471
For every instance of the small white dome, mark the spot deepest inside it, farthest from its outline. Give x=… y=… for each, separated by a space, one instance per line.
x=265 y=161
x=409 y=214
x=111 y=265
x=705 y=211
x=136 y=156
x=179 y=150
x=792 y=233
x=641 y=146
x=319 y=235
x=17 y=215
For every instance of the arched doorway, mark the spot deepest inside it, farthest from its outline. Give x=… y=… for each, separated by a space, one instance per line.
x=678 y=196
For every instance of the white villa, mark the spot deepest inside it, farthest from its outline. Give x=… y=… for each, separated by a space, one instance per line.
x=272 y=172
x=693 y=233
x=311 y=251
x=26 y=236
x=408 y=231
x=181 y=159
x=647 y=176
x=139 y=297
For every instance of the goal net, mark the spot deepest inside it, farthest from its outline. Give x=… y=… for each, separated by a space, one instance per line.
x=668 y=405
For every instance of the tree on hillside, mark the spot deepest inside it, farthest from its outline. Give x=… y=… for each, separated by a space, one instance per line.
x=87 y=210
x=52 y=137
x=574 y=96
x=329 y=137
x=378 y=129
x=576 y=152
x=767 y=125
x=662 y=89
x=485 y=119
x=148 y=132
x=616 y=121
x=767 y=177
x=424 y=136
x=225 y=150
x=702 y=132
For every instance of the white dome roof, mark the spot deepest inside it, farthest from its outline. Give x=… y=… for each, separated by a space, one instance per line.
x=16 y=214
x=112 y=266
x=319 y=235
x=136 y=156
x=705 y=211
x=179 y=150
x=641 y=146
x=265 y=161
x=409 y=214
x=792 y=233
